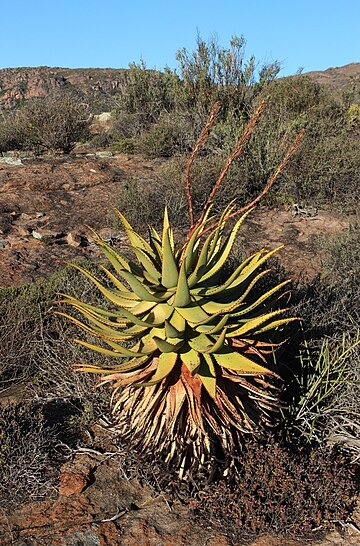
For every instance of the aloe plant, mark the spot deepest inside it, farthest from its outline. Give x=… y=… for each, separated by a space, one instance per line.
x=190 y=347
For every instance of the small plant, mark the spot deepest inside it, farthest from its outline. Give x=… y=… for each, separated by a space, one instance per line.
x=291 y=493
x=123 y=146
x=192 y=347
x=25 y=454
x=328 y=390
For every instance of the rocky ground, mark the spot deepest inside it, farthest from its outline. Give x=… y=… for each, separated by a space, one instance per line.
x=44 y=206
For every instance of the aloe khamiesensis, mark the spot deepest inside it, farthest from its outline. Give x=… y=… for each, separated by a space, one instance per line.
x=190 y=348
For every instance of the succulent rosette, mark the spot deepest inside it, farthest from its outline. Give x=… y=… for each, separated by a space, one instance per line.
x=190 y=347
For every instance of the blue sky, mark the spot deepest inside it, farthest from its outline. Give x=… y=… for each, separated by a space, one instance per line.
x=313 y=34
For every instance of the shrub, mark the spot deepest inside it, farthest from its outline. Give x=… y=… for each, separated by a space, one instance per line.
x=124 y=146
x=327 y=169
x=161 y=140
x=32 y=348
x=212 y=73
x=290 y=493
x=323 y=385
x=145 y=93
x=54 y=122
x=26 y=456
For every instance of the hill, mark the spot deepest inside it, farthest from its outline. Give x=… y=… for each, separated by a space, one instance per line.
x=99 y=86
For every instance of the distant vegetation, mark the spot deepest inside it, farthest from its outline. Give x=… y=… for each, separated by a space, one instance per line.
x=160 y=114
x=55 y=122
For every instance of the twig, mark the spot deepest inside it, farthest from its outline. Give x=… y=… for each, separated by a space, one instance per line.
x=292 y=149
x=202 y=138
x=237 y=151
x=113 y=518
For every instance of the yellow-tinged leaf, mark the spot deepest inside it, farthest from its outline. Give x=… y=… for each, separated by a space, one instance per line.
x=169 y=270
x=252 y=266
x=166 y=346
x=148 y=264
x=261 y=299
x=193 y=314
x=107 y=327
x=276 y=324
x=142 y=307
x=167 y=228
x=171 y=331
x=253 y=324
x=220 y=288
x=135 y=239
x=117 y=260
x=210 y=328
x=111 y=295
x=189 y=254
x=122 y=351
x=224 y=252
x=218 y=345
x=201 y=343
x=207 y=376
x=166 y=363
x=202 y=262
x=124 y=291
x=182 y=296
x=232 y=360
x=159 y=314
x=74 y=301
x=118 y=368
x=247 y=287
x=191 y=359
x=178 y=322
x=139 y=288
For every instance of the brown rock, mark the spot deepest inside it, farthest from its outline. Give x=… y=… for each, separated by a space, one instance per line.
x=73 y=239
x=23 y=231
x=72 y=484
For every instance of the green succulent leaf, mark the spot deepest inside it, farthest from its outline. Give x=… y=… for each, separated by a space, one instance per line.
x=206 y=374
x=191 y=359
x=169 y=270
x=169 y=346
x=232 y=360
x=166 y=363
x=136 y=241
x=182 y=296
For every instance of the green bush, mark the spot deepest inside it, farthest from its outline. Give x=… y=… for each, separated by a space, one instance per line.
x=212 y=72
x=123 y=146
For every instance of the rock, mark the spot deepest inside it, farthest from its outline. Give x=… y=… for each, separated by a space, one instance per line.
x=25 y=217
x=72 y=484
x=104 y=154
x=74 y=477
x=11 y=161
x=104 y=117
x=74 y=239
x=2 y=244
x=23 y=231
